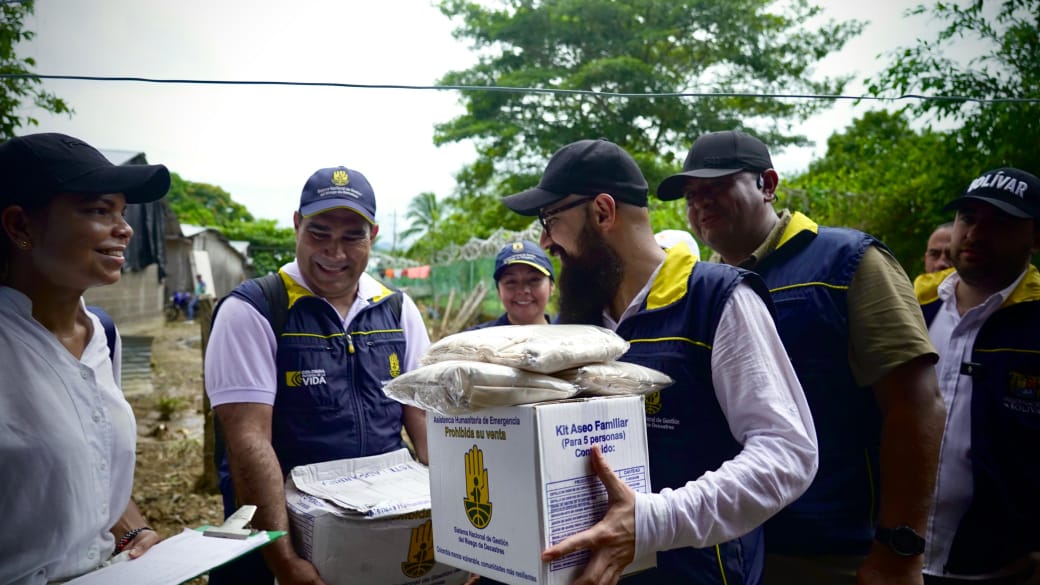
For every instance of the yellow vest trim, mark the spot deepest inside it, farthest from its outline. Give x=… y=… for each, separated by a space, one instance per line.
x=1027 y=290
x=682 y=339
x=373 y=332
x=803 y=284
x=313 y=335
x=383 y=293
x=926 y=287
x=672 y=279
x=297 y=291
x=799 y=223
x=1008 y=349
x=722 y=565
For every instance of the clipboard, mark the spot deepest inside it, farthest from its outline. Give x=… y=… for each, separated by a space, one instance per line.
x=183 y=557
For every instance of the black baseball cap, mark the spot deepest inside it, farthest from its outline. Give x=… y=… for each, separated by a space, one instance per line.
x=717 y=154
x=585 y=167
x=336 y=188
x=1011 y=190
x=35 y=167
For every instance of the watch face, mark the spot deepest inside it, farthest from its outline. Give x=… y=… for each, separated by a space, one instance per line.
x=904 y=541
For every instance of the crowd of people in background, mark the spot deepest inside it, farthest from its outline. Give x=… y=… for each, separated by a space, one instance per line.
x=831 y=422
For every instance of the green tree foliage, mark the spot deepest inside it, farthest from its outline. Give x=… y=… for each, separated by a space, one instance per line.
x=16 y=90
x=424 y=216
x=270 y=245
x=210 y=206
x=621 y=46
x=884 y=178
x=990 y=134
x=204 y=205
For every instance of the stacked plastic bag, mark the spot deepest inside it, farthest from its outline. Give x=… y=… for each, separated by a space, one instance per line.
x=522 y=364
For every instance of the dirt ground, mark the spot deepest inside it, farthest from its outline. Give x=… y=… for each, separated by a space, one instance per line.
x=170 y=434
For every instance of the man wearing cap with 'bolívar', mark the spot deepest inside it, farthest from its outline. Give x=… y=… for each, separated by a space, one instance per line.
x=847 y=316
x=731 y=442
x=524 y=278
x=984 y=319
x=314 y=392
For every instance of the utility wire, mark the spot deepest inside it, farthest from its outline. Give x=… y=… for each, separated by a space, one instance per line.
x=527 y=90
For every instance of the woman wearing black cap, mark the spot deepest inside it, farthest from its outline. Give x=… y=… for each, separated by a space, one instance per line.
x=67 y=435
x=524 y=278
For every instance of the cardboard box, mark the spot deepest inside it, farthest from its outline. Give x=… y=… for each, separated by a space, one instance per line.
x=506 y=483
x=366 y=520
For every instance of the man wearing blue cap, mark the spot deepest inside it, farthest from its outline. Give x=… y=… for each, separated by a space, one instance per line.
x=296 y=362
x=524 y=278
x=984 y=319
x=847 y=316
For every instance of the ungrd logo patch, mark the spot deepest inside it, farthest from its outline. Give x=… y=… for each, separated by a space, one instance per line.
x=395 y=365
x=420 y=551
x=299 y=378
x=1023 y=386
x=653 y=403
x=340 y=178
x=477 y=501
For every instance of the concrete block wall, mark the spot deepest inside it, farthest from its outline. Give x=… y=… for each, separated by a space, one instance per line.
x=135 y=302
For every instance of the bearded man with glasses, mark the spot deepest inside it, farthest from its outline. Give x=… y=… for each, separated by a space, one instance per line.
x=732 y=442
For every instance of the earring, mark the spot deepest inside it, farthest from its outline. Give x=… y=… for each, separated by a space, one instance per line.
x=23 y=244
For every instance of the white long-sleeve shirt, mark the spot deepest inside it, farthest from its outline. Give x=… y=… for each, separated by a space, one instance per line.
x=760 y=395
x=67 y=441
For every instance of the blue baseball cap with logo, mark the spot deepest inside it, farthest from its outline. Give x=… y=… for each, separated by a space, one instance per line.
x=338 y=188
x=523 y=252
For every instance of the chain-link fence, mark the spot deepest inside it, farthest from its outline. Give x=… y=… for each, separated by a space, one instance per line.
x=455 y=268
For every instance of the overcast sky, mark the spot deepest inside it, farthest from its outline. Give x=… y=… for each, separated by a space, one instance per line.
x=261 y=143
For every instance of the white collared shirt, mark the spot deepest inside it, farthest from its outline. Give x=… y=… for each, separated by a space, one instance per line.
x=67 y=441
x=240 y=356
x=953 y=336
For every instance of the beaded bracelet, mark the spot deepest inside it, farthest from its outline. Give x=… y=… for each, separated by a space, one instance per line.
x=128 y=537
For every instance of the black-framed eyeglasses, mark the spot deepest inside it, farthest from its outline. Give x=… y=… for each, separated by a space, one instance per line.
x=546 y=218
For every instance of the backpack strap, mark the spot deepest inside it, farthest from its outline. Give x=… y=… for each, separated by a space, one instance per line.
x=394 y=303
x=277 y=301
x=109 y=325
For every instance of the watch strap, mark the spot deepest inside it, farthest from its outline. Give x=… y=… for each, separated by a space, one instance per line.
x=902 y=540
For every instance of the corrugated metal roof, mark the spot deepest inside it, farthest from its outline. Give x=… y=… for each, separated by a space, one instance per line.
x=241 y=245
x=190 y=230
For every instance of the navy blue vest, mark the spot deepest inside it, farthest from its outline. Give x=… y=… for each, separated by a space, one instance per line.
x=1002 y=523
x=808 y=276
x=330 y=402
x=503 y=319
x=687 y=432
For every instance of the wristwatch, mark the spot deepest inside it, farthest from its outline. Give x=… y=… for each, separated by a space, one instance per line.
x=903 y=540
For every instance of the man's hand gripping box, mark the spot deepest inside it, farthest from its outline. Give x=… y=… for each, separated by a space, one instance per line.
x=506 y=483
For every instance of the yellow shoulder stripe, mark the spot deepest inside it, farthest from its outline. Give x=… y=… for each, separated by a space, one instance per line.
x=672 y=279
x=295 y=290
x=926 y=286
x=1027 y=290
x=799 y=223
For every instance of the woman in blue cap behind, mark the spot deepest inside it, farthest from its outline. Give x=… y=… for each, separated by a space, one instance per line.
x=524 y=278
